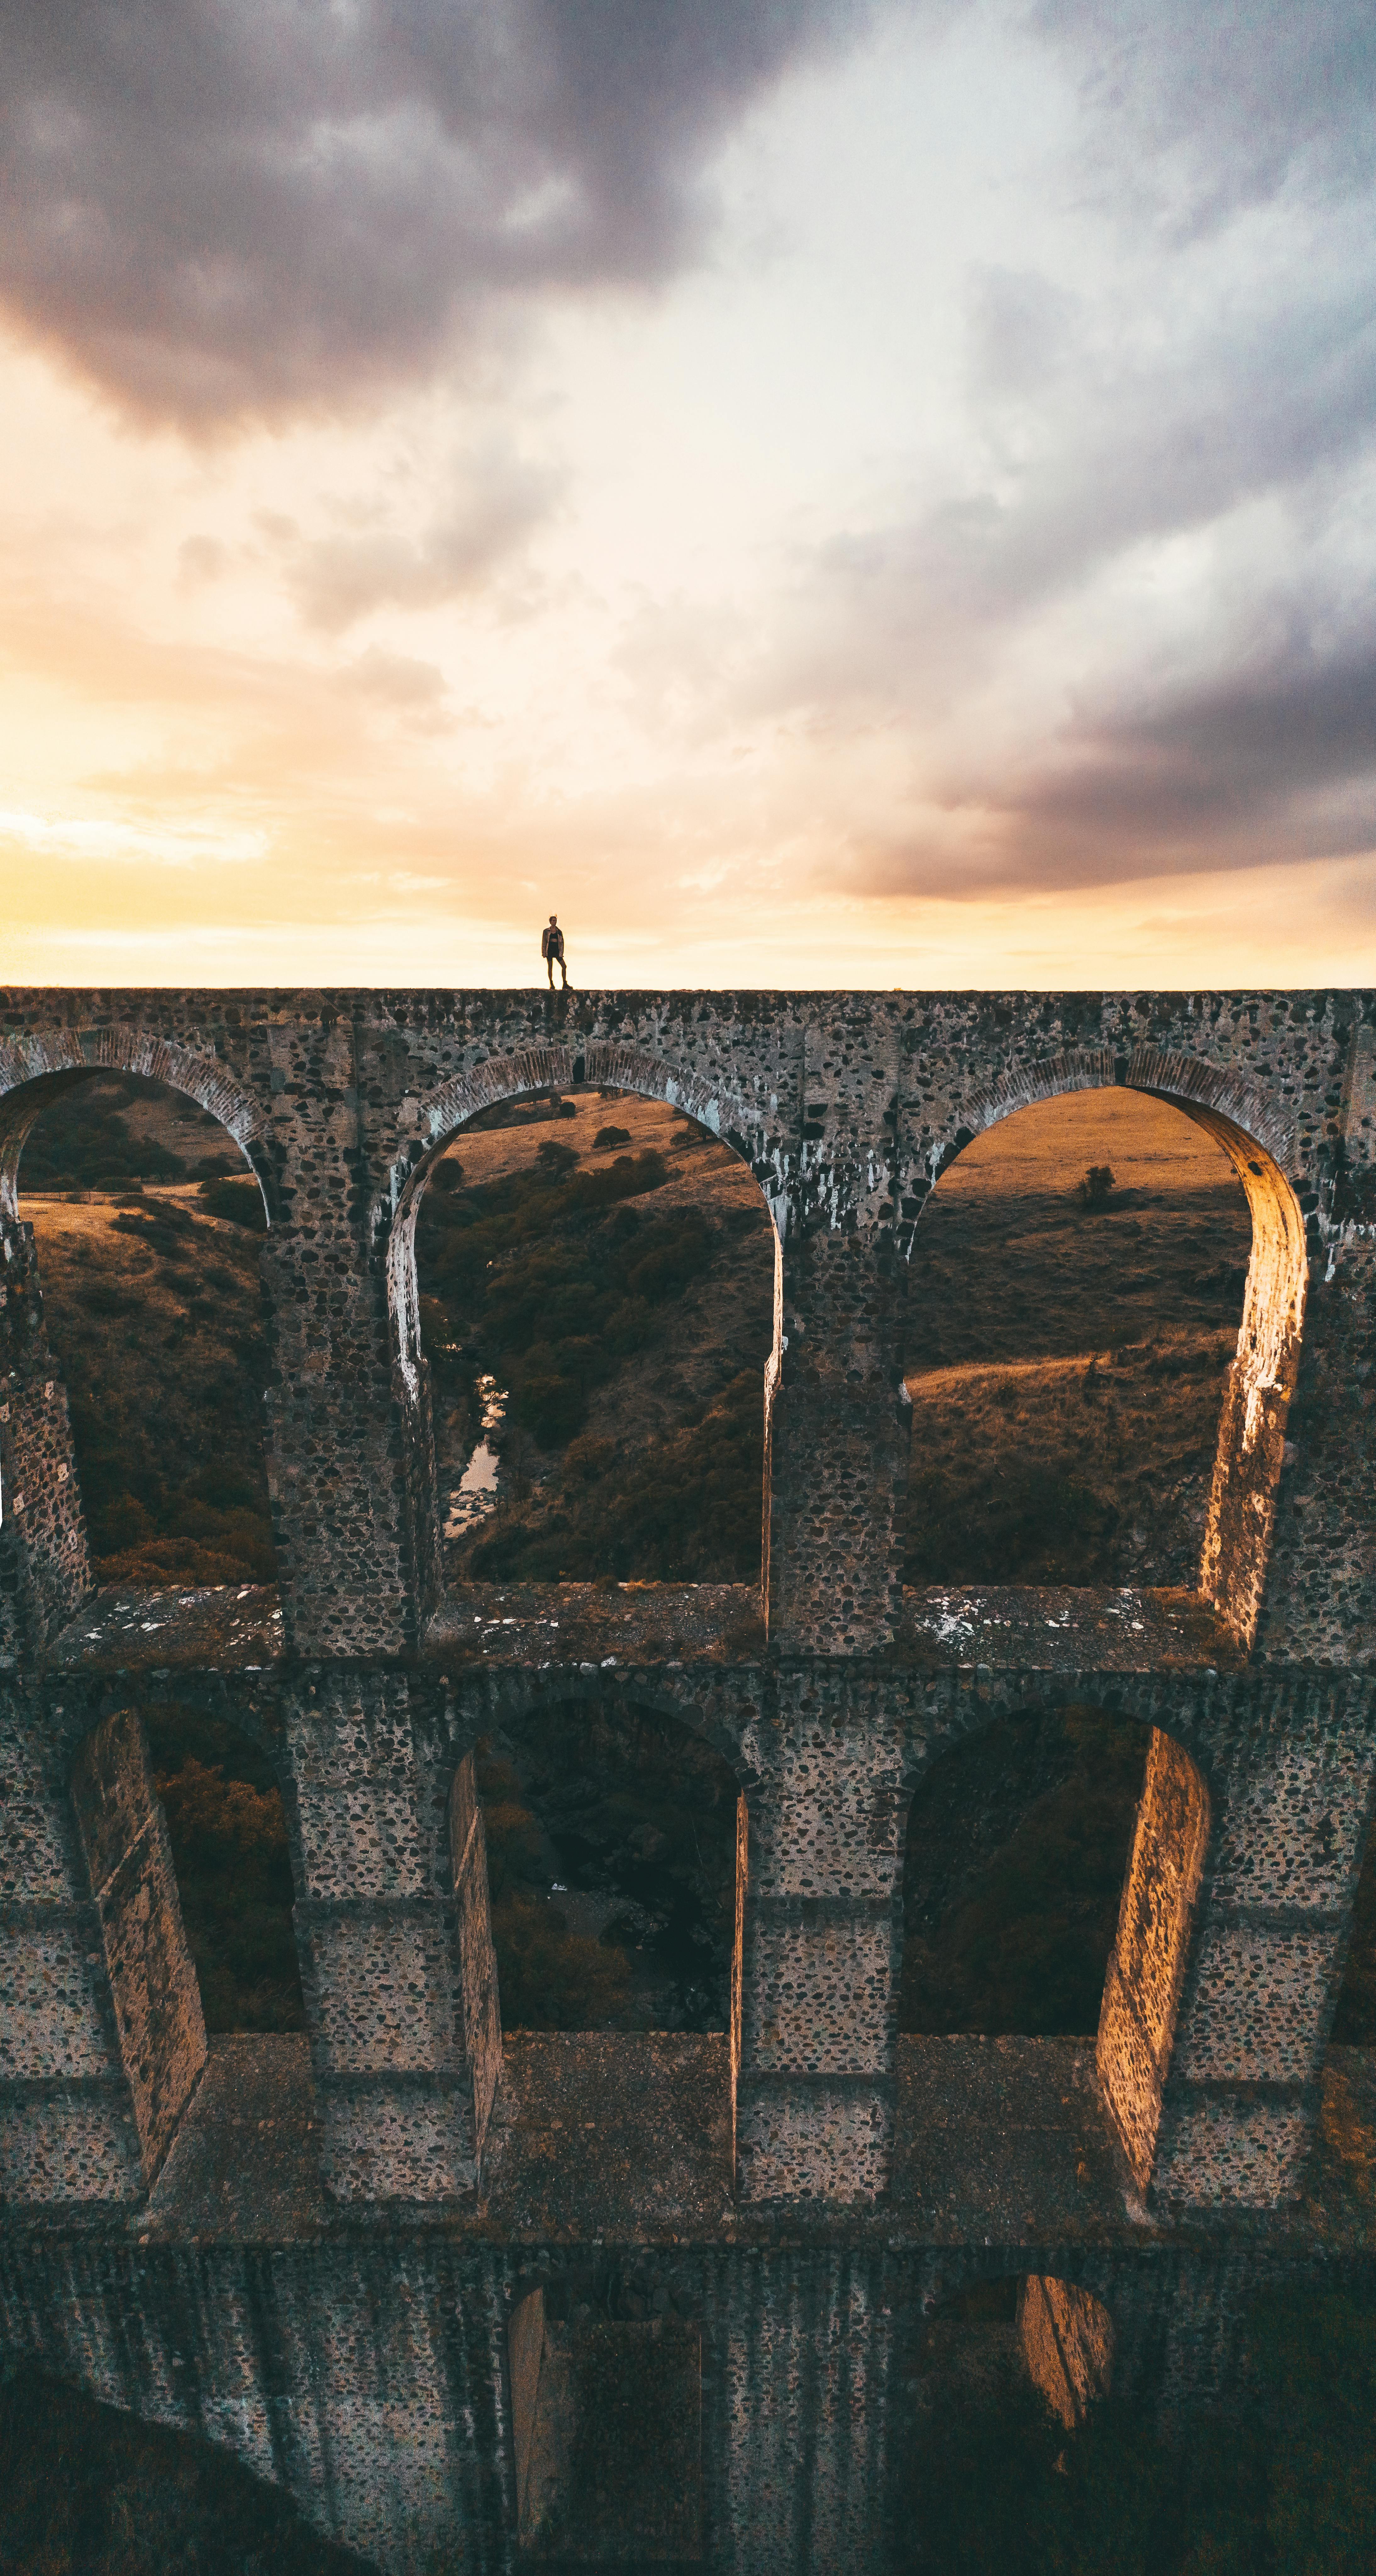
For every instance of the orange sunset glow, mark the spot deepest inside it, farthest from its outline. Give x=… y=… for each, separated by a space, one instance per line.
x=826 y=495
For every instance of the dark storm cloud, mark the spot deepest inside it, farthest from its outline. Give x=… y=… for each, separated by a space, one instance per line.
x=234 y=207
x=1103 y=433
x=1274 y=760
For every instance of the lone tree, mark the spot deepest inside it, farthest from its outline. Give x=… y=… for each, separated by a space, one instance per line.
x=1096 y=1187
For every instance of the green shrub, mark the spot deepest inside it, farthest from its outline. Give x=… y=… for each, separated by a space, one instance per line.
x=685 y=1509
x=551 y=1408
x=240 y=1201
x=1009 y=1524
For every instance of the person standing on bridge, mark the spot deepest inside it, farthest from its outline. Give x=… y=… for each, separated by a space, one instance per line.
x=552 y=949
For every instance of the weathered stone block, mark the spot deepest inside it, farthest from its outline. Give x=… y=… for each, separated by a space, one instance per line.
x=73 y=2148
x=55 y=2017
x=399 y=2142
x=813 y=2141
x=818 y=1995
x=1221 y=2150
x=1257 y=2009
x=382 y=1987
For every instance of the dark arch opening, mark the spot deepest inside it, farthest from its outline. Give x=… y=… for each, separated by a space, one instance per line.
x=991 y=2344
x=596 y=1289
x=1051 y=1872
x=614 y=1843
x=1018 y=1841
x=1078 y=1278
x=227 y=1827
x=147 y=1228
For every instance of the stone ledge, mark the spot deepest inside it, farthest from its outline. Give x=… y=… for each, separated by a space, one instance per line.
x=1066 y=1628
x=602 y=2137
x=213 y=1628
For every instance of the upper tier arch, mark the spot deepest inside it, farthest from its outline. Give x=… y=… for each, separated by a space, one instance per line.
x=1208 y=1091
x=600 y=1064
x=37 y=1066
x=1252 y=1128
x=436 y=1118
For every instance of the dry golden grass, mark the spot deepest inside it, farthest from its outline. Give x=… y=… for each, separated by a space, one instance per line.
x=154 y=1314
x=1069 y=1363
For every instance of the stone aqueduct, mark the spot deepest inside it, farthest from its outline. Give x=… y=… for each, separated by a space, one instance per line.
x=388 y=2270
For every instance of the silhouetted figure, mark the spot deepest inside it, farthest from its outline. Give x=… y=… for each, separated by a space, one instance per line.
x=552 y=950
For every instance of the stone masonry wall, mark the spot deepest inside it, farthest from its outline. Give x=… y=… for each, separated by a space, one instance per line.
x=371 y=2377
x=151 y=1981
x=367 y=2372
x=70 y=2133
x=396 y=1968
x=1146 y=1969
x=45 y=1564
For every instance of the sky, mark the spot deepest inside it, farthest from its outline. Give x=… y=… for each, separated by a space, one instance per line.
x=815 y=492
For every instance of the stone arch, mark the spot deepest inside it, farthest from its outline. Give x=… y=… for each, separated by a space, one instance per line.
x=38 y=1066
x=1158 y=1914
x=37 y=1454
x=1252 y=1129
x=516 y=1700
x=433 y=1121
x=119 y=2035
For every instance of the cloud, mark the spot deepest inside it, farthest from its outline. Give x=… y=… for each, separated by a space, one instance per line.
x=226 y=209
x=1213 y=109
x=1089 y=451
x=396 y=680
x=200 y=559
x=497 y=498
x=1266 y=759
x=84 y=838
x=1136 y=629
x=1276 y=759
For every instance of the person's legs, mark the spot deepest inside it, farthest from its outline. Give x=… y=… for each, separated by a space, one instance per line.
x=565 y=973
